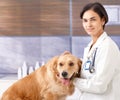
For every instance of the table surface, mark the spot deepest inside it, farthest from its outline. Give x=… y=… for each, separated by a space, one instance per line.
x=6 y=81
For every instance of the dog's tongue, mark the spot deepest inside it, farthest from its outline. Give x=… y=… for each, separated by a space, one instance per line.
x=65 y=81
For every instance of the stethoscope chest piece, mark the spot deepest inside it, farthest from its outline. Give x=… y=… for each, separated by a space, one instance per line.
x=89 y=65
x=91 y=70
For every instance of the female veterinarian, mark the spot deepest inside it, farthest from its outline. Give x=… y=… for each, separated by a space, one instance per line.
x=100 y=73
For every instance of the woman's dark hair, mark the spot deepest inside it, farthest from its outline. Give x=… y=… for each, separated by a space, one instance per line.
x=98 y=8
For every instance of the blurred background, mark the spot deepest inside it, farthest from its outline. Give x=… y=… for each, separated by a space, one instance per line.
x=35 y=30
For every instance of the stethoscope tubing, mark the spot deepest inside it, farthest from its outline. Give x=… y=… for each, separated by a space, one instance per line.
x=92 y=67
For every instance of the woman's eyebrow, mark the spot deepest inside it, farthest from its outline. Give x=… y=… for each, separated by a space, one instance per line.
x=89 y=18
x=93 y=17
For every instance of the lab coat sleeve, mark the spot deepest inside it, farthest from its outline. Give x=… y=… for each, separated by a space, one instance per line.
x=107 y=61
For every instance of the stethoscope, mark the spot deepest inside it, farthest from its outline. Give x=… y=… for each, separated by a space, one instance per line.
x=90 y=64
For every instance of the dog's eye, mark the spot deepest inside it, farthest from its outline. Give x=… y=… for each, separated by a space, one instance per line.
x=61 y=64
x=71 y=64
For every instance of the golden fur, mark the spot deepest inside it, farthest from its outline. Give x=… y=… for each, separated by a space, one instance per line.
x=53 y=81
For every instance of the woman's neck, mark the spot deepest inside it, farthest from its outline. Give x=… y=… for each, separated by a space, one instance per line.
x=95 y=37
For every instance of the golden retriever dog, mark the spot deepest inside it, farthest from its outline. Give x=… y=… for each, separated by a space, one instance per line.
x=52 y=81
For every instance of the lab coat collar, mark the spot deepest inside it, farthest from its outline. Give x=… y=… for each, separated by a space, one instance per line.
x=98 y=42
x=96 y=45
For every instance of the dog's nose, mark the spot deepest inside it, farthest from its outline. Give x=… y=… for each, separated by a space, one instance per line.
x=64 y=74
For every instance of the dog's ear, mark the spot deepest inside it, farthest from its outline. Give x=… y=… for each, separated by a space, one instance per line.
x=79 y=70
x=52 y=63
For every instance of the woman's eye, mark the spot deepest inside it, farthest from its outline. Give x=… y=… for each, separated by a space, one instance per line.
x=84 y=20
x=93 y=19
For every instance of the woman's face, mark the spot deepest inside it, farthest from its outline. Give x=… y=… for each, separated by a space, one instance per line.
x=92 y=23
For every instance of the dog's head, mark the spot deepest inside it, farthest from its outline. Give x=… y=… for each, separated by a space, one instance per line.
x=64 y=68
x=68 y=67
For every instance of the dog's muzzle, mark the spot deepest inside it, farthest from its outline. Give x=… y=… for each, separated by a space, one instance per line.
x=64 y=74
x=64 y=78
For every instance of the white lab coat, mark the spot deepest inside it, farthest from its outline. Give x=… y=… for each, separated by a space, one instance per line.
x=104 y=83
